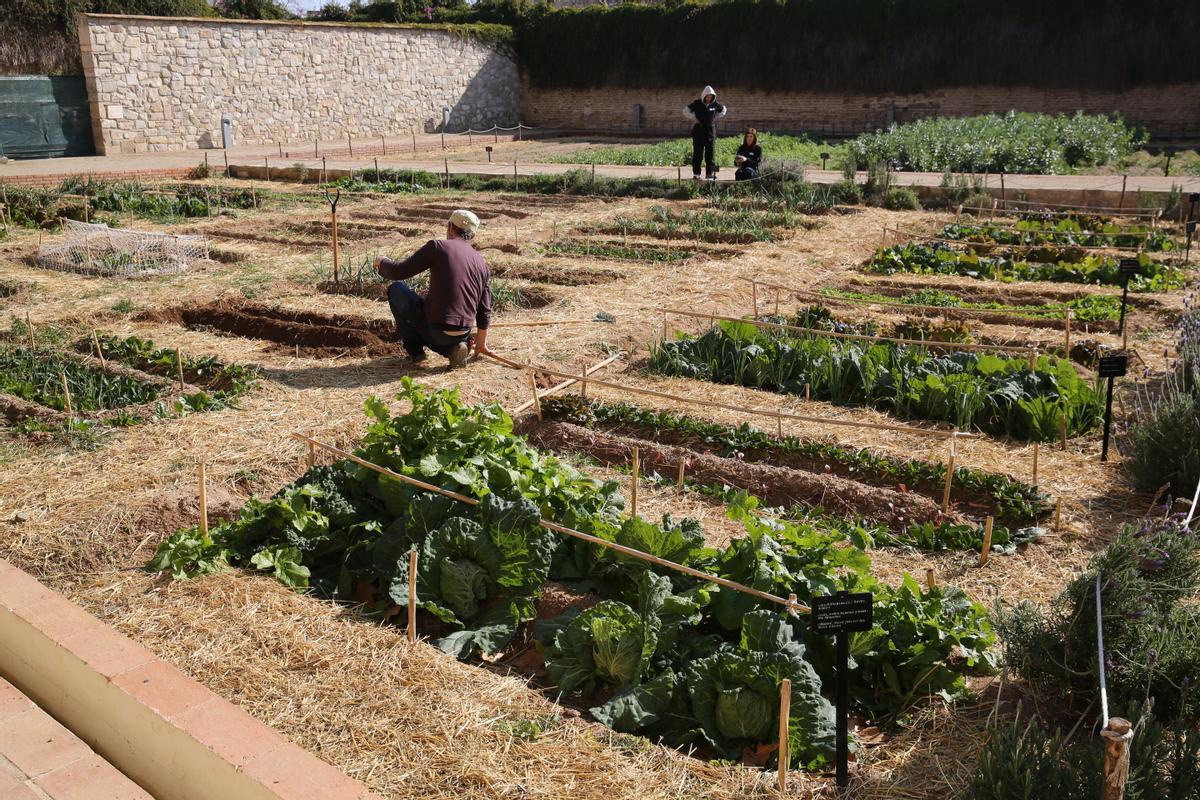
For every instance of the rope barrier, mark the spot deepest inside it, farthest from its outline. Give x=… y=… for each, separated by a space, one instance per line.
x=788 y=603
x=1100 y=647
x=1192 y=511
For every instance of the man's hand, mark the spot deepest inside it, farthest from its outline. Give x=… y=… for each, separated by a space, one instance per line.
x=481 y=348
x=379 y=264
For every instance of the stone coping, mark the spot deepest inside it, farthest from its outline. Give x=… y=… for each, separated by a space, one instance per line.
x=432 y=27
x=172 y=736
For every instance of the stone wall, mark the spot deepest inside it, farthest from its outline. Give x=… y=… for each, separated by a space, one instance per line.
x=159 y=83
x=1168 y=111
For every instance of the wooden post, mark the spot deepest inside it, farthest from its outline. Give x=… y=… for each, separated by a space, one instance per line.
x=29 y=330
x=66 y=396
x=1058 y=515
x=930 y=579
x=203 y=500
x=446 y=167
x=777 y=301
x=412 y=596
x=1116 y=758
x=1033 y=359
x=754 y=296
x=1062 y=430
x=516 y=179
x=96 y=344
x=537 y=401
x=1067 y=333
x=785 y=712
x=311 y=459
x=179 y=367
x=333 y=228
x=985 y=551
x=1035 y=463
x=1121 y=202
x=267 y=164
x=680 y=486
x=950 y=471
x=633 y=486
x=583 y=383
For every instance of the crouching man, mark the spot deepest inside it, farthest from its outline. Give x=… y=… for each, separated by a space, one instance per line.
x=459 y=295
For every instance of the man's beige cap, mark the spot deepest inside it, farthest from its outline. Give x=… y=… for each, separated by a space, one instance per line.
x=465 y=221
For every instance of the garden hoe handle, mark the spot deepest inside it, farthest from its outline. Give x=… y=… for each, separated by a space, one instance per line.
x=332 y=199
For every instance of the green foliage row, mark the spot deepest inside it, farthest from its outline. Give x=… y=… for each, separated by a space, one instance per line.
x=33 y=207
x=992 y=393
x=663 y=654
x=1011 y=501
x=223 y=383
x=36 y=375
x=944 y=259
x=1037 y=144
x=678 y=152
x=726 y=221
x=1089 y=308
x=1068 y=232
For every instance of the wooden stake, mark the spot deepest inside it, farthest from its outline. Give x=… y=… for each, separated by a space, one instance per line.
x=1058 y=516
x=777 y=302
x=985 y=552
x=203 y=500
x=1035 y=463
x=179 y=367
x=950 y=472
x=412 y=596
x=537 y=402
x=29 y=329
x=785 y=712
x=1116 y=758
x=633 y=486
x=99 y=351
x=311 y=460
x=1067 y=333
x=66 y=395
x=1032 y=359
x=1062 y=430
x=754 y=297
x=930 y=579
x=679 y=490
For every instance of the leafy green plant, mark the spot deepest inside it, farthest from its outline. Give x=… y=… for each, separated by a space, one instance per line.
x=901 y=198
x=37 y=376
x=617 y=251
x=224 y=382
x=678 y=152
x=996 y=394
x=1069 y=231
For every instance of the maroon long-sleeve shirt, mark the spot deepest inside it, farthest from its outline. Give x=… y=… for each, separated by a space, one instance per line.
x=459 y=292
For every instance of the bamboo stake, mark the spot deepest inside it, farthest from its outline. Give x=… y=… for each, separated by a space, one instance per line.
x=680 y=486
x=583 y=383
x=29 y=329
x=537 y=402
x=1058 y=516
x=412 y=596
x=790 y=603
x=179 y=367
x=1062 y=430
x=311 y=460
x=1035 y=463
x=592 y=370
x=1067 y=332
x=96 y=344
x=66 y=395
x=785 y=712
x=985 y=552
x=633 y=485
x=740 y=409
x=203 y=500
x=950 y=471
x=754 y=296
x=930 y=579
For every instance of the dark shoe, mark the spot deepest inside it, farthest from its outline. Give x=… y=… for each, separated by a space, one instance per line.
x=458 y=356
x=696 y=176
x=415 y=354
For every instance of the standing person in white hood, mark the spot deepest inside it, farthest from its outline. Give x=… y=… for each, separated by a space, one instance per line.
x=705 y=112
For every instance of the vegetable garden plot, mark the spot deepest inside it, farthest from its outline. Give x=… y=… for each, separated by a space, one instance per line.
x=1010 y=501
x=506 y=297
x=942 y=259
x=1066 y=232
x=995 y=394
x=662 y=654
x=31 y=389
x=727 y=225
x=564 y=275
x=319 y=333
x=606 y=249
x=93 y=249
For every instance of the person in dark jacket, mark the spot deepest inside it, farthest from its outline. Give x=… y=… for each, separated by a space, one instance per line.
x=749 y=157
x=705 y=112
x=459 y=295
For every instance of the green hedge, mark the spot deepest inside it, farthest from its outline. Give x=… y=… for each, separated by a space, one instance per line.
x=861 y=45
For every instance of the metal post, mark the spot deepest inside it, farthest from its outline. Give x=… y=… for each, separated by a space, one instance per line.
x=842 y=696
x=1107 y=420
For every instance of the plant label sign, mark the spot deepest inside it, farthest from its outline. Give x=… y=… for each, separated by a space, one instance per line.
x=1110 y=367
x=1128 y=266
x=842 y=613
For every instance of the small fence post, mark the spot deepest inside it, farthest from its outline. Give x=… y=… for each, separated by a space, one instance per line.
x=67 y=396
x=785 y=712
x=1116 y=758
x=633 y=486
x=754 y=296
x=537 y=401
x=950 y=471
x=179 y=367
x=311 y=459
x=412 y=596
x=202 y=500
x=1035 y=464
x=682 y=464
x=985 y=551
x=99 y=350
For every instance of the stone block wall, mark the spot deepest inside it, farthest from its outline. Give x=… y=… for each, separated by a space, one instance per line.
x=160 y=83
x=1168 y=111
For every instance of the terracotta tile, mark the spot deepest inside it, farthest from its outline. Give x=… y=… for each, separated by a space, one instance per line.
x=12 y=701
x=163 y=689
x=23 y=595
x=98 y=645
x=37 y=744
x=16 y=789
x=230 y=732
x=90 y=778
x=295 y=774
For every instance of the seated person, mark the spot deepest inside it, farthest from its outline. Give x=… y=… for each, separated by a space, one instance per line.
x=748 y=158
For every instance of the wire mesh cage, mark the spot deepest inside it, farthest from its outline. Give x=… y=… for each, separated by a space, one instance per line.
x=96 y=249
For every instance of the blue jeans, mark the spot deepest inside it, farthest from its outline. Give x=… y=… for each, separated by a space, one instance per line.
x=413 y=329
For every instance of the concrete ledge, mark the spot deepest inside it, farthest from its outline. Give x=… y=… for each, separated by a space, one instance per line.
x=172 y=736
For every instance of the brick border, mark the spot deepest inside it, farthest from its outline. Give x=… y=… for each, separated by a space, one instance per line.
x=175 y=738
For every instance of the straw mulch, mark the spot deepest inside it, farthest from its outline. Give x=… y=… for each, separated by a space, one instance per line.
x=411 y=722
